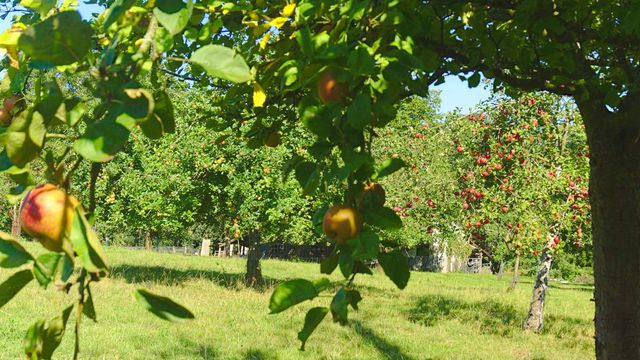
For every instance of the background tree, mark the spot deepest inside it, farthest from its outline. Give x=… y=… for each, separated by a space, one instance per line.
x=422 y=193
x=522 y=187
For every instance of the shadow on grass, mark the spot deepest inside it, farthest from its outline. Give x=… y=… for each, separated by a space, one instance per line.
x=194 y=350
x=258 y=355
x=491 y=317
x=571 y=286
x=389 y=351
x=134 y=274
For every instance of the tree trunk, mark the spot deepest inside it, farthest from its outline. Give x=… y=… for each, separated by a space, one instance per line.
x=516 y=276
x=615 y=201
x=148 y=242
x=253 y=277
x=15 y=221
x=501 y=270
x=535 y=318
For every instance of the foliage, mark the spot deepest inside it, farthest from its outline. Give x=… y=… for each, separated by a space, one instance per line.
x=523 y=169
x=272 y=56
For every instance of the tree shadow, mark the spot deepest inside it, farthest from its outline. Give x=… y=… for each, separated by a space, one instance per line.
x=196 y=351
x=572 y=286
x=135 y=274
x=490 y=316
x=385 y=348
x=568 y=327
x=258 y=355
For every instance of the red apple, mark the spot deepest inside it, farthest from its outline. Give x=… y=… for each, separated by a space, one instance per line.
x=5 y=117
x=10 y=103
x=329 y=90
x=46 y=214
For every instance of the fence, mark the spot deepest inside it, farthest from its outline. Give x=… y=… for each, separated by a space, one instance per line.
x=315 y=253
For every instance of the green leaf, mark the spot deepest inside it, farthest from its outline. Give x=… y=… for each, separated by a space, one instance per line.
x=360 y=268
x=311 y=321
x=24 y=138
x=174 y=15
x=13 y=285
x=12 y=254
x=339 y=308
x=163 y=40
x=6 y=166
x=329 y=264
x=365 y=246
x=321 y=284
x=388 y=167
x=71 y=111
x=61 y=39
x=396 y=267
x=354 y=297
x=360 y=62
x=359 y=112
x=382 y=217
x=320 y=149
x=53 y=332
x=86 y=244
x=33 y=340
x=67 y=268
x=116 y=10
x=222 y=62
x=46 y=267
x=162 y=121
x=317 y=218
x=474 y=80
x=137 y=103
x=89 y=310
x=41 y=6
x=102 y=140
x=163 y=307
x=345 y=260
x=290 y=293
x=308 y=176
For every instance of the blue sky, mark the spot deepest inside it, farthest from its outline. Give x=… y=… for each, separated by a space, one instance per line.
x=454 y=92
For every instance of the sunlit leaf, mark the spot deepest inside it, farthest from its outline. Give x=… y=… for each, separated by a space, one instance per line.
x=12 y=286
x=290 y=293
x=222 y=62
x=61 y=39
x=311 y=321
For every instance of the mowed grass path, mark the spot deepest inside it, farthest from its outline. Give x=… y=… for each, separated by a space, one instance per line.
x=438 y=316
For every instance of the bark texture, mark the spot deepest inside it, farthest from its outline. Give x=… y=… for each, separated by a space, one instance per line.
x=516 y=273
x=535 y=318
x=253 y=277
x=615 y=200
x=148 y=242
x=15 y=221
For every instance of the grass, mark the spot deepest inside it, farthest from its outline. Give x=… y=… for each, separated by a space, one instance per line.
x=438 y=316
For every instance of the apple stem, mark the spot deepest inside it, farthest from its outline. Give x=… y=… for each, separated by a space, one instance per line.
x=351 y=279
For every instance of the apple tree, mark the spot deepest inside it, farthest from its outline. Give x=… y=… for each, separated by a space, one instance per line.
x=365 y=56
x=422 y=193
x=523 y=182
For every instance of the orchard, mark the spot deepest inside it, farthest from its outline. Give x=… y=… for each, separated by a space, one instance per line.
x=319 y=90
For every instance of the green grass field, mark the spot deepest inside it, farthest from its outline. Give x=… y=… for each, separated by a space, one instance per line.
x=438 y=316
